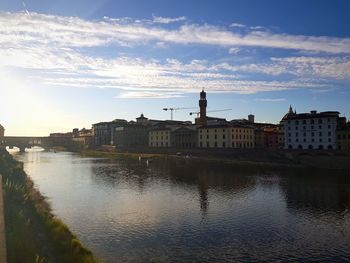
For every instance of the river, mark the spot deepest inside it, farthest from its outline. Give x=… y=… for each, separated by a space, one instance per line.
x=181 y=210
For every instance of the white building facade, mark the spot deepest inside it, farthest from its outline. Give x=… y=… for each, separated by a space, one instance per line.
x=308 y=131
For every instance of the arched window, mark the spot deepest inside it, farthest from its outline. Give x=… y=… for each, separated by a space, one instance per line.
x=330 y=147
x=310 y=147
x=290 y=147
x=320 y=147
x=300 y=147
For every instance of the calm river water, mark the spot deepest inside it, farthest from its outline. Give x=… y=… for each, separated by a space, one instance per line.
x=185 y=211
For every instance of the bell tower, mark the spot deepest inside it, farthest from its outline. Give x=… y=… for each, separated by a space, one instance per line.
x=202 y=108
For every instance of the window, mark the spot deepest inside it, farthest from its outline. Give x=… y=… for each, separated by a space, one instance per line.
x=312 y=122
x=297 y=122
x=320 y=139
x=304 y=140
x=319 y=121
x=200 y=137
x=223 y=136
x=304 y=121
x=215 y=136
x=329 y=134
x=216 y=144
x=296 y=127
x=329 y=140
x=320 y=133
x=304 y=134
x=223 y=144
x=329 y=126
x=289 y=134
x=208 y=144
x=201 y=144
x=312 y=134
x=296 y=134
x=312 y=127
x=313 y=140
x=207 y=136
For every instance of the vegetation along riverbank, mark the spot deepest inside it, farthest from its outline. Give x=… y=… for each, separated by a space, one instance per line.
x=33 y=233
x=251 y=158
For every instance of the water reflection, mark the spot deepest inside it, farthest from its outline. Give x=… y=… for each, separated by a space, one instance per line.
x=181 y=210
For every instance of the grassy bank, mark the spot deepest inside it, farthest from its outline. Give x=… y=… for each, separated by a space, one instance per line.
x=33 y=234
x=116 y=155
x=252 y=158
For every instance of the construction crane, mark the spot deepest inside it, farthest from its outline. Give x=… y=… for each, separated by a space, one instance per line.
x=175 y=109
x=197 y=112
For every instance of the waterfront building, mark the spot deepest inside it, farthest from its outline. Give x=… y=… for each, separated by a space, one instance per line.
x=159 y=136
x=103 y=132
x=310 y=130
x=226 y=136
x=343 y=135
x=131 y=135
x=83 y=137
x=184 y=137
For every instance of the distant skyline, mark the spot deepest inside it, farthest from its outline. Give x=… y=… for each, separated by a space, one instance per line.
x=67 y=64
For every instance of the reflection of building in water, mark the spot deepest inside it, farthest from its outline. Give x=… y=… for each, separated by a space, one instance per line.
x=203 y=197
x=2 y=131
x=206 y=176
x=317 y=195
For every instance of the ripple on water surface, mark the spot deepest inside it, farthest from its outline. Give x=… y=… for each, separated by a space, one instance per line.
x=181 y=211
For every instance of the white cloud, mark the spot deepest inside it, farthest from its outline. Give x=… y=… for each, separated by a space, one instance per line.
x=50 y=48
x=271 y=99
x=167 y=20
x=233 y=50
x=39 y=29
x=237 y=25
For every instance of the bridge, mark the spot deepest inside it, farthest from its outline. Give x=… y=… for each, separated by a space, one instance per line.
x=28 y=142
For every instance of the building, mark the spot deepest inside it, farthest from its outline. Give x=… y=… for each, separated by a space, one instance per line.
x=310 y=130
x=226 y=136
x=343 y=135
x=159 y=136
x=202 y=120
x=103 y=132
x=83 y=137
x=184 y=137
x=131 y=135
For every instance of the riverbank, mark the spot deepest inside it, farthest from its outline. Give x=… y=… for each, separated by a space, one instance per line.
x=253 y=158
x=33 y=233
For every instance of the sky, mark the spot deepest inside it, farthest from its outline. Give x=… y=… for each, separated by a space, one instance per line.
x=69 y=64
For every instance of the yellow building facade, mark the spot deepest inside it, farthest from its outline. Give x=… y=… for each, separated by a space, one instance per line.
x=226 y=136
x=159 y=138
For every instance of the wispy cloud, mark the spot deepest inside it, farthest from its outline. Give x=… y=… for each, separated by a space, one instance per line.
x=237 y=25
x=167 y=20
x=271 y=99
x=20 y=28
x=50 y=48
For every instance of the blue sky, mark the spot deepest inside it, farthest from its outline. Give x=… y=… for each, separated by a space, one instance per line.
x=66 y=64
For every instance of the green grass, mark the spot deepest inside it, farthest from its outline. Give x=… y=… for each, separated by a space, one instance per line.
x=33 y=234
